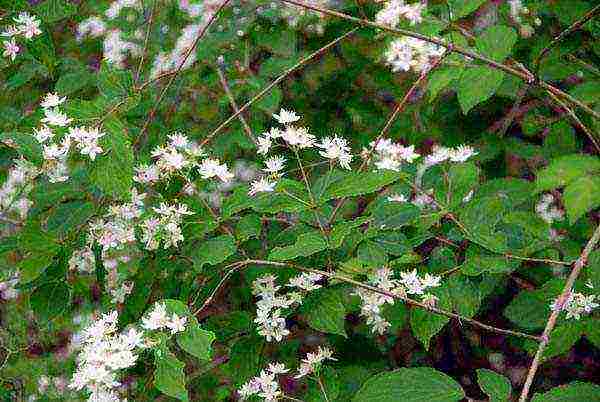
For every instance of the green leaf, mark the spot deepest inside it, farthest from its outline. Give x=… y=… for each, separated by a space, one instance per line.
x=560 y=140
x=462 y=8
x=50 y=300
x=246 y=356
x=394 y=215
x=372 y=254
x=247 y=227
x=113 y=171
x=350 y=184
x=196 y=341
x=69 y=215
x=496 y=42
x=564 y=170
x=31 y=267
x=530 y=309
x=169 y=377
x=426 y=325
x=214 y=251
x=73 y=82
x=488 y=81
x=325 y=310
x=581 y=196
x=573 y=392
x=495 y=385
x=465 y=295
x=440 y=79
x=341 y=230
x=478 y=261
x=283 y=199
x=393 y=242
x=306 y=244
x=420 y=384
x=51 y=11
x=26 y=145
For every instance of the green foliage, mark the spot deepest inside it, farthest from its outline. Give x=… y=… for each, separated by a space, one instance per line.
x=410 y=384
x=495 y=385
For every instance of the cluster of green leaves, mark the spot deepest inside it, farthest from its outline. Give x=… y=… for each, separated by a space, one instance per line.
x=484 y=239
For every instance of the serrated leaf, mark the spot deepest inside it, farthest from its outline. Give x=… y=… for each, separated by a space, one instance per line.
x=196 y=341
x=169 y=377
x=496 y=42
x=530 y=309
x=69 y=215
x=214 y=251
x=426 y=325
x=306 y=244
x=488 y=81
x=25 y=144
x=581 y=196
x=573 y=392
x=50 y=300
x=495 y=385
x=418 y=384
x=341 y=230
x=349 y=184
x=462 y=8
x=113 y=171
x=247 y=227
x=325 y=310
x=394 y=215
x=564 y=170
x=371 y=254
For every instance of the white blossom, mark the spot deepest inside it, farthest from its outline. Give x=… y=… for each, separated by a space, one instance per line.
x=262 y=185
x=286 y=116
x=336 y=148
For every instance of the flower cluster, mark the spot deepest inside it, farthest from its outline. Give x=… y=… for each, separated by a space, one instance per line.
x=548 y=209
x=410 y=283
x=26 y=26
x=159 y=319
x=576 y=305
x=389 y=155
x=270 y=305
x=164 y=226
x=440 y=154
x=313 y=361
x=56 y=150
x=265 y=384
x=16 y=188
x=179 y=156
x=394 y=10
x=334 y=148
x=105 y=352
x=8 y=288
x=406 y=53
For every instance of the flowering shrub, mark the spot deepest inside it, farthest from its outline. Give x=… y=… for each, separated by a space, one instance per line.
x=307 y=200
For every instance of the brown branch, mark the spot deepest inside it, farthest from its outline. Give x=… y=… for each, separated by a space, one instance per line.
x=146 y=40
x=577 y=121
x=234 y=106
x=266 y=89
x=545 y=338
x=142 y=135
x=572 y=28
x=525 y=76
x=404 y=299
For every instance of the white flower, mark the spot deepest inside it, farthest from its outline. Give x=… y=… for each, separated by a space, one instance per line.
x=336 y=148
x=212 y=167
x=157 y=319
x=298 y=136
x=146 y=174
x=43 y=133
x=430 y=281
x=179 y=140
x=261 y=185
x=286 y=116
x=277 y=368
x=52 y=100
x=313 y=361
x=547 y=209
x=274 y=165
x=11 y=49
x=176 y=324
x=264 y=144
x=461 y=153
x=397 y=198
x=55 y=117
x=28 y=25
x=412 y=12
x=306 y=281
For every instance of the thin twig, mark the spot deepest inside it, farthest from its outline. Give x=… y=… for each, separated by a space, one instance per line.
x=545 y=338
x=234 y=267
x=525 y=76
x=268 y=88
x=577 y=121
x=234 y=105
x=322 y=389
x=572 y=28
x=405 y=299
x=146 y=40
x=142 y=136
